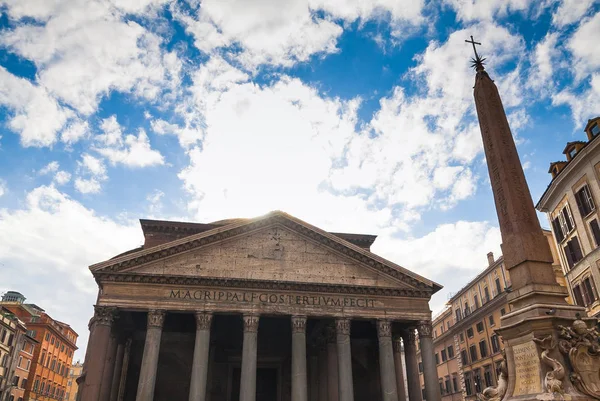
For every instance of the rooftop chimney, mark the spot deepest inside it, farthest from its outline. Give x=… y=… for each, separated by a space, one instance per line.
x=490 y=257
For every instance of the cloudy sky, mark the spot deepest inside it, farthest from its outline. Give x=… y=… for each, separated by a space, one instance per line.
x=354 y=115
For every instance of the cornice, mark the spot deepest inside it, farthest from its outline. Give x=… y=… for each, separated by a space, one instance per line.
x=223 y=233
x=260 y=284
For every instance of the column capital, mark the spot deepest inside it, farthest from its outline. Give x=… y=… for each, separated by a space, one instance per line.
x=104 y=315
x=156 y=318
x=203 y=320
x=425 y=328
x=298 y=324
x=408 y=336
x=251 y=323
x=342 y=326
x=384 y=328
x=397 y=344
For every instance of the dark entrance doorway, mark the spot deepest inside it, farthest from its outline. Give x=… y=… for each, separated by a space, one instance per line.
x=266 y=384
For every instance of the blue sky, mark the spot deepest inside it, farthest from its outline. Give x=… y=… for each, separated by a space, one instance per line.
x=353 y=115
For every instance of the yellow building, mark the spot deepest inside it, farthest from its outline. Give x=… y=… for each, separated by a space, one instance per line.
x=570 y=204
x=74 y=373
x=468 y=352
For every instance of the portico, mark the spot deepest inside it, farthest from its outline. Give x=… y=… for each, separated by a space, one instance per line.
x=266 y=309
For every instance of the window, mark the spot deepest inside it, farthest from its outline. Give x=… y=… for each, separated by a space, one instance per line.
x=28 y=364
x=595 y=129
x=502 y=311
x=487 y=376
x=585 y=202
x=15 y=381
x=595 y=231
x=486 y=294
x=3 y=336
x=47 y=336
x=52 y=341
x=462 y=337
x=420 y=367
x=467 y=310
x=454 y=383
x=437 y=359
x=36 y=385
x=495 y=343
x=464 y=357
x=498 y=286
x=589 y=295
x=468 y=384
x=4 y=360
x=441 y=384
x=62 y=348
x=458 y=315
x=450 y=352
x=444 y=355
x=42 y=358
x=477 y=380
x=470 y=332
x=491 y=319
x=573 y=252
x=483 y=348
x=10 y=339
x=20 y=362
x=473 y=352
x=23 y=383
x=476 y=299
x=578 y=295
x=479 y=327
x=448 y=385
x=566 y=219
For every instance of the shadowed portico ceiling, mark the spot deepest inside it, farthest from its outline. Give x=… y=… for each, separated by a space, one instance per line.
x=123 y=267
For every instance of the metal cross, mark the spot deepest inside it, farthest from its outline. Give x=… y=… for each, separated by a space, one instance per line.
x=472 y=41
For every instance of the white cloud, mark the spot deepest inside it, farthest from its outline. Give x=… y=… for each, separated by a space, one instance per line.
x=279 y=32
x=92 y=165
x=544 y=59
x=584 y=104
x=91 y=173
x=62 y=177
x=583 y=46
x=75 y=130
x=88 y=185
x=570 y=11
x=155 y=204
x=469 y=10
x=73 y=46
x=187 y=135
x=46 y=246
x=36 y=116
x=51 y=167
x=134 y=152
x=2 y=188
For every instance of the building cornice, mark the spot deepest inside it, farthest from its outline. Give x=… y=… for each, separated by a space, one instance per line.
x=260 y=284
x=556 y=185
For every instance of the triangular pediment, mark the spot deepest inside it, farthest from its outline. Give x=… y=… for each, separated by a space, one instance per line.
x=274 y=248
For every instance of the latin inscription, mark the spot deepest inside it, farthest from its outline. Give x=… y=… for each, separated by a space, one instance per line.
x=527 y=369
x=270 y=298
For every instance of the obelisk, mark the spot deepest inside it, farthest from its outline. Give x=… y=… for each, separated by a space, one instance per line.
x=538 y=305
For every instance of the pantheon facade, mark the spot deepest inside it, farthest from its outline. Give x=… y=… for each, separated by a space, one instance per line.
x=264 y=309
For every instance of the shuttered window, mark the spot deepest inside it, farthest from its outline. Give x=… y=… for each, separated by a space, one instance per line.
x=585 y=202
x=573 y=252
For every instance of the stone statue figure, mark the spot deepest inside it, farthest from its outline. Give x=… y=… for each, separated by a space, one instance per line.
x=497 y=393
x=553 y=380
x=582 y=346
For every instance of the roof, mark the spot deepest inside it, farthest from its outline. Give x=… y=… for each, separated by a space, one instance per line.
x=352 y=245
x=569 y=144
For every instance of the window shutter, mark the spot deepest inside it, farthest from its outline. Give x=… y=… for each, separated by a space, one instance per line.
x=568 y=256
x=577 y=255
x=557 y=229
x=581 y=203
x=578 y=296
x=589 y=288
x=595 y=231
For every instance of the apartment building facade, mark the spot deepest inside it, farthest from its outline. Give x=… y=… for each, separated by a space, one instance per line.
x=52 y=354
x=571 y=205
x=72 y=387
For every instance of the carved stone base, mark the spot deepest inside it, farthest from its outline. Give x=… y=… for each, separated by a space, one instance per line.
x=541 y=345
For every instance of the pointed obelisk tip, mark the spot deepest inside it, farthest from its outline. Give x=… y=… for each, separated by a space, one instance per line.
x=477 y=62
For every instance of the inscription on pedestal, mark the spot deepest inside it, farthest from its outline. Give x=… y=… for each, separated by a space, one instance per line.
x=527 y=369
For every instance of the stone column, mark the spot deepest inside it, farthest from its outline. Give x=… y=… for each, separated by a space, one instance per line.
x=313 y=374
x=116 y=379
x=323 y=375
x=332 y=365
x=200 y=363
x=299 y=388
x=109 y=367
x=100 y=329
x=430 y=376
x=397 y=344
x=345 y=383
x=145 y=390
x=387 y=371
x=412 y=365
x=124 y=370
x=249 y=354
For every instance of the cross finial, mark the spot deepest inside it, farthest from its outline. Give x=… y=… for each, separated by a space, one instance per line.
x=477 y=61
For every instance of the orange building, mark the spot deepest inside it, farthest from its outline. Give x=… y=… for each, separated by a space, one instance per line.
x=53 y=354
